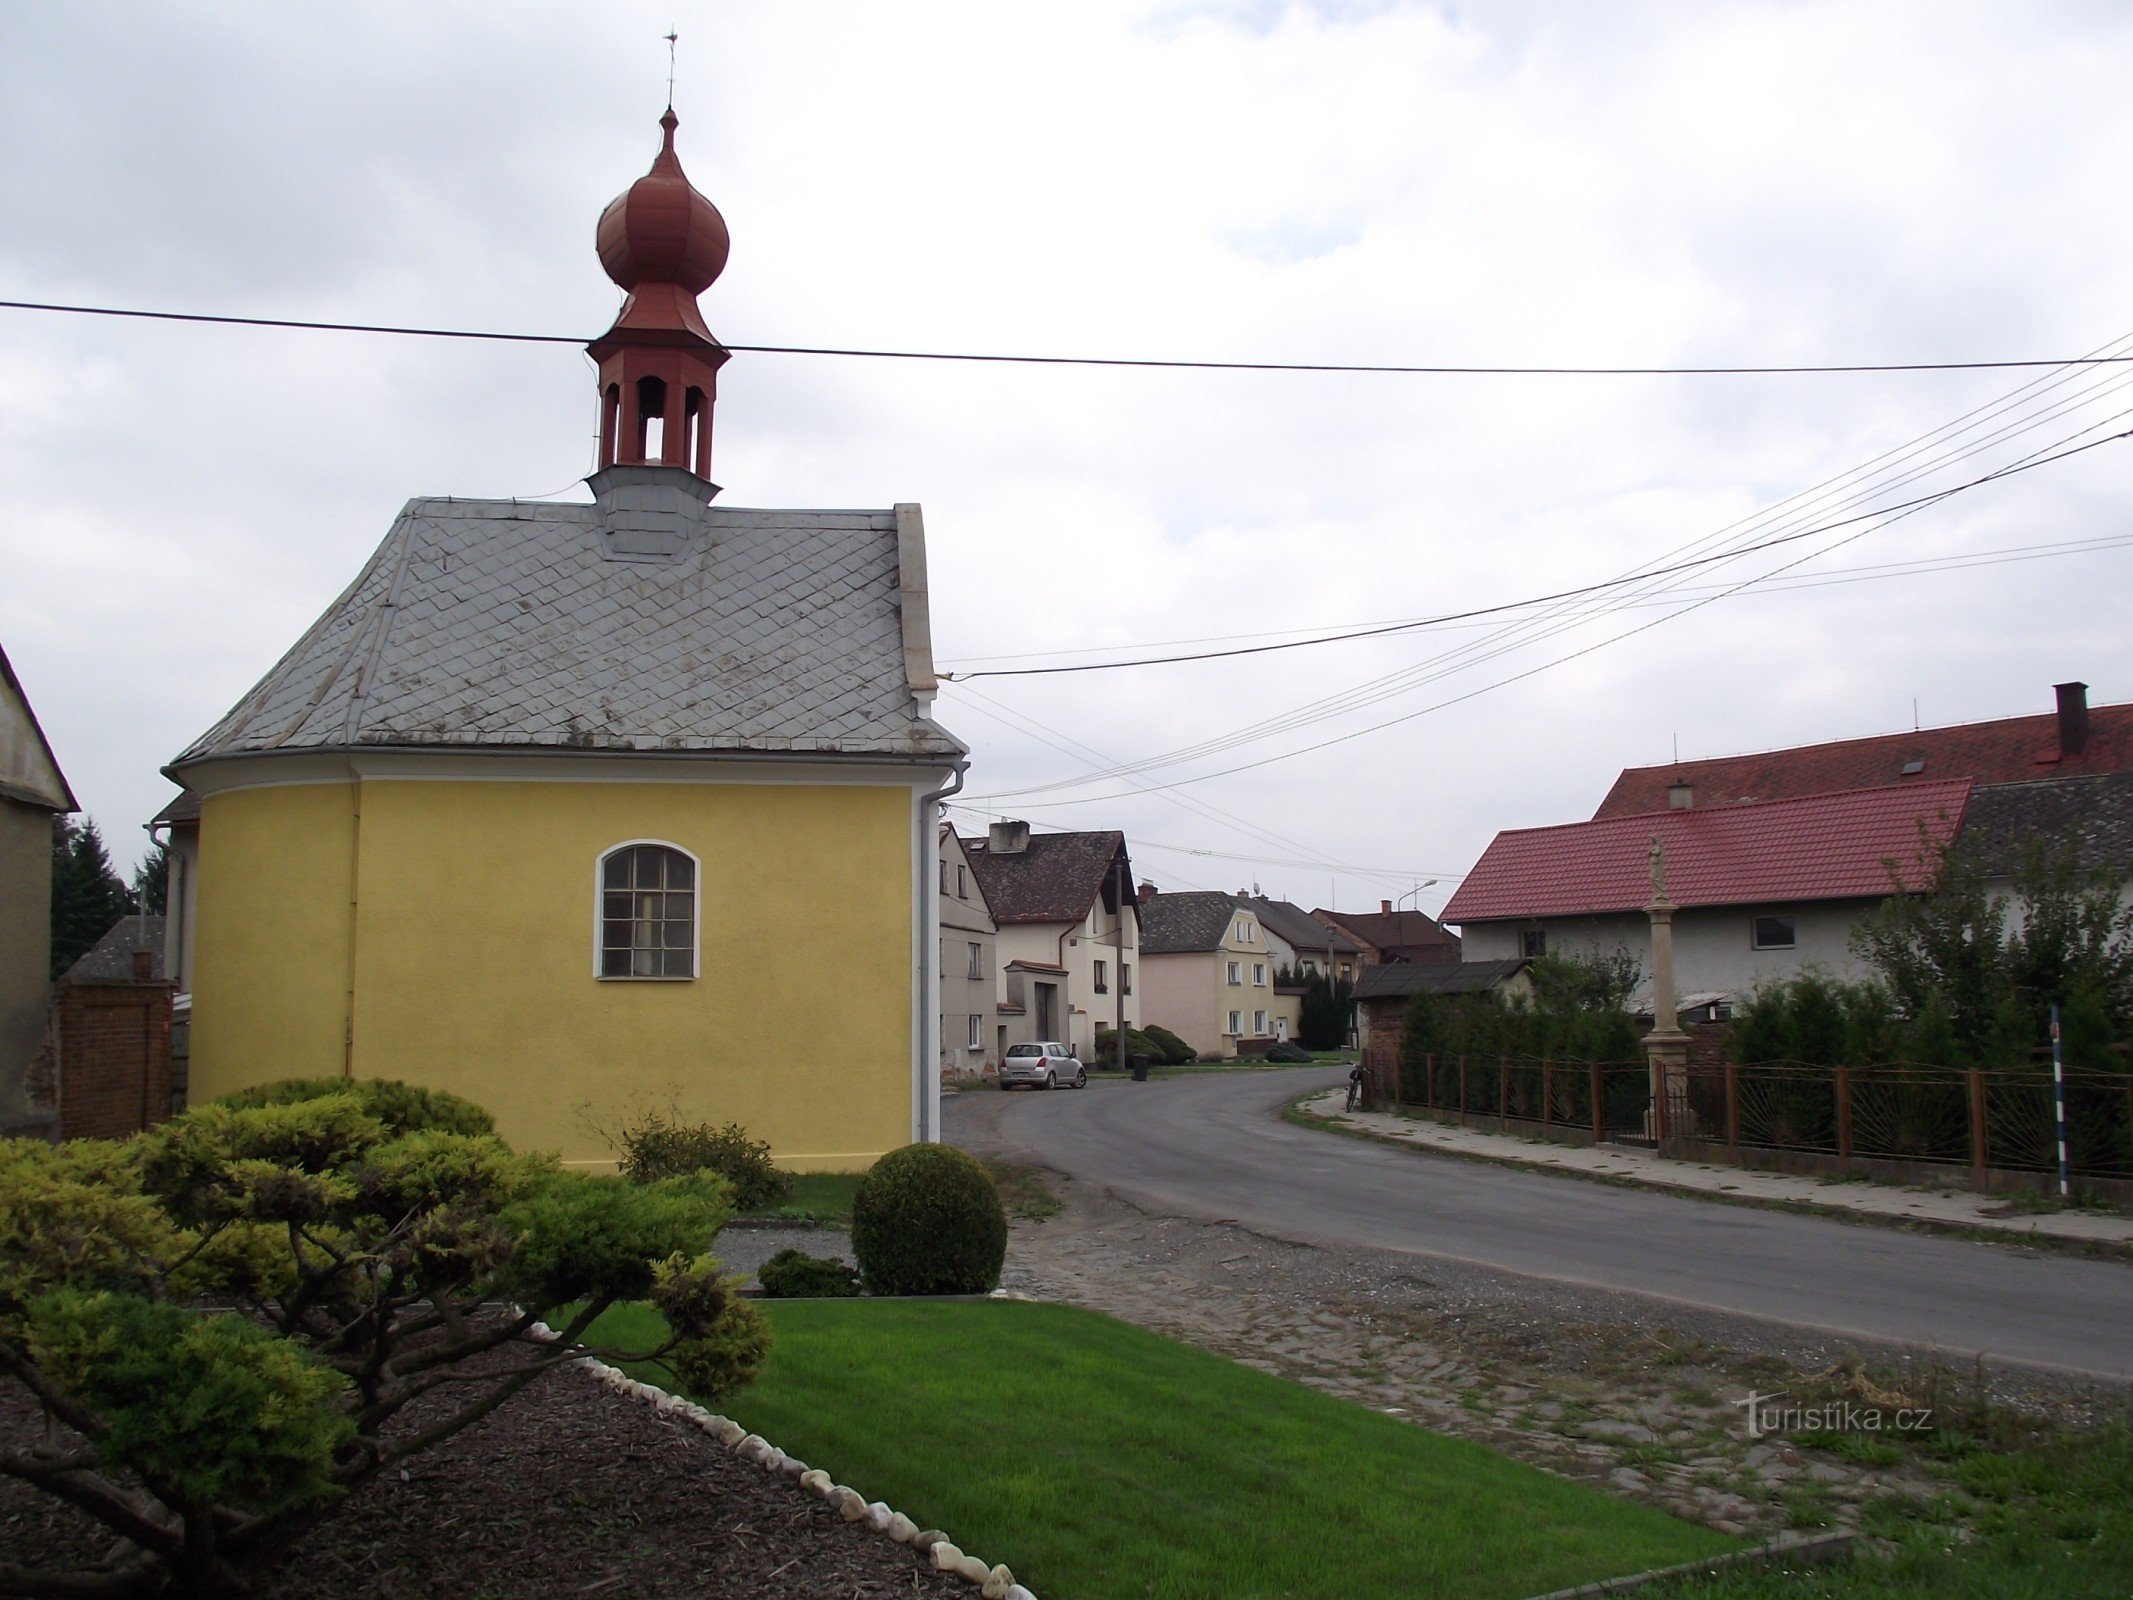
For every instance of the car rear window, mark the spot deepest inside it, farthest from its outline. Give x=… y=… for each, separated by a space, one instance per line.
x=1026 y=1050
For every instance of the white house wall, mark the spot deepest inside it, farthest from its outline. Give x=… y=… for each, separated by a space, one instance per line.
x=1713 y=947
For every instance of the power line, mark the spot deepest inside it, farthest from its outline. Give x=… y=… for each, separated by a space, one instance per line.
x=1442 y=370
x=1537 y=600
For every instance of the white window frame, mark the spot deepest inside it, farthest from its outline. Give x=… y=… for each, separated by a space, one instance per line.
x=976 y=970
x=1755 y=933
x=1236 y=972
x=1236 y=1023
x=1258 y=1024
x=1102 y=978
x=1259 y=974
x=974 y=1039
x=696 y=914
x=962 y=882
x=1125 y=977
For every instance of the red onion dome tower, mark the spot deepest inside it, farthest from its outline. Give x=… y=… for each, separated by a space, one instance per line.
x=665 y=244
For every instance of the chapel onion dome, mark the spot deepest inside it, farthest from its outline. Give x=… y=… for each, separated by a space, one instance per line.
x=660 y=230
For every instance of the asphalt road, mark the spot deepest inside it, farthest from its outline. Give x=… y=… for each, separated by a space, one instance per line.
x=1212 y=1146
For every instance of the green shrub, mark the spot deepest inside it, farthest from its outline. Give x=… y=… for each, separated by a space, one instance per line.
x=232 y=1308
x=793 y=1275
x=1104 y=1052
x=402 y=1107
x=661 y=1147
x=927 y=1220
x=1175 y=1052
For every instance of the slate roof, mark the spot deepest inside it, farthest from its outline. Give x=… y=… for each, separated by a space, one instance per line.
x=1396 y=930
x=1190 y=920
x=500 y=623
x=110 y=959
x=1055 y=878
x=183 y=807
x=2096 y=811
x=1300 y=928
x=1822 y=847
x=2008 y=750
x=1400 y=980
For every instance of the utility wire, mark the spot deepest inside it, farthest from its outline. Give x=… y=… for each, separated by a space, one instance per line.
x=1449 y=370
x=1535 y=600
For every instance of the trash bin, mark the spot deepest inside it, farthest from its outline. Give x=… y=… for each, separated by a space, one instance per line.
x=1140 y=1068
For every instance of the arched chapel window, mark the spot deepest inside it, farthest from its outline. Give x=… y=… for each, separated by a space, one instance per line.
x=647 y=912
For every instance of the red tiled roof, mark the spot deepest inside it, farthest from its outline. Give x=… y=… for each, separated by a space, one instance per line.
x=1820 y=847
x=2011 y=750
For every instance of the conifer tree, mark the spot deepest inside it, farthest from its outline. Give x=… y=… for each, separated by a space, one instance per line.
x=88 y=897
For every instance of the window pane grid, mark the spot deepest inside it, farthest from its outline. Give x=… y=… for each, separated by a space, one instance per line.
x=648 y=914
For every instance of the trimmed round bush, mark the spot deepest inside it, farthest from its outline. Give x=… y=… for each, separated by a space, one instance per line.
x=927 y=1220
x=1176 y=1052
x=402 y=1107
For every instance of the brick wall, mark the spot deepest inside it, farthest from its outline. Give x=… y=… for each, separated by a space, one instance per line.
x=110 y=1057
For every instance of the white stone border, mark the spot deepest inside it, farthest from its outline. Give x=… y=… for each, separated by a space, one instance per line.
x=994 y=1582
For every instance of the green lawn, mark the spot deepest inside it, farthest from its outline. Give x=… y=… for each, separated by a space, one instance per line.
x=2053 y=1520
x=1101 y=1462
x=816 y=1196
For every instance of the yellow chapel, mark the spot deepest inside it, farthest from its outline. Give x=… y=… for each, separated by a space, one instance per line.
x=588 y=810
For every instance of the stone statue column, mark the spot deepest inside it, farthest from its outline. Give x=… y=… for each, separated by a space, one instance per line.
x=1666 y=1047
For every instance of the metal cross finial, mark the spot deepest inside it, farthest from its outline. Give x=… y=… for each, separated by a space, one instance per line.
x=672 y=37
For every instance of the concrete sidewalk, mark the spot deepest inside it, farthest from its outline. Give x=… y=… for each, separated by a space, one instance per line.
x=1951 y=1208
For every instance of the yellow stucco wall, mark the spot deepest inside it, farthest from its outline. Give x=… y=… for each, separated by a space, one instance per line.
x=473 y=961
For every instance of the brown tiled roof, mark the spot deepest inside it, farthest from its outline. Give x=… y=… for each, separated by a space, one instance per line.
x=1395 y=930
x=1822 y=847
x=2011 y=750
x=1055 y=878
x=1195 y=919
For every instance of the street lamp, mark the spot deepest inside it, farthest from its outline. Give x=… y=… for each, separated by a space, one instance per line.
x=1401 y=928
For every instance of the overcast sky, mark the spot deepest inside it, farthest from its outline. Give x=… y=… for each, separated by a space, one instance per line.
x=1513 y=184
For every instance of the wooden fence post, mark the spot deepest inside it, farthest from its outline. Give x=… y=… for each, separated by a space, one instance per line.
x=1429 y=1080
x=1599 y=1113
x=1547 y=1094
x=1844 y=1120
x=1462 y=1088
x=1980 y=1147
x=1503 y=1094
x=1732 y=1113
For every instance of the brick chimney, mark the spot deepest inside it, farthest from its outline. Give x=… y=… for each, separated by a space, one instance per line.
x=1147 y=892
x=1680 y=795
x=2073 y=717
x=1384 y=908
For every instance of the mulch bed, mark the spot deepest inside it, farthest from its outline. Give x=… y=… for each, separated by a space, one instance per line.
x=570 y=1489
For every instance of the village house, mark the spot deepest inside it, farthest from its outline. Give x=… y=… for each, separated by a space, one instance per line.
x=32 y=792
x=1210 y=968
x=1069 y=935
x=1388 y=934
x=972 y=1033
x=574 y=809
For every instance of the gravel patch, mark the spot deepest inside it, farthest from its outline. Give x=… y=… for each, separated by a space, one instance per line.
x=744 y=1246
x=568 y=1490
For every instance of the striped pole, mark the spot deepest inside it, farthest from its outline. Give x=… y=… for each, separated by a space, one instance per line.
x=2059 y=1099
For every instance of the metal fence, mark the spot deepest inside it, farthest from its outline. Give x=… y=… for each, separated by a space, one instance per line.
x=1979 y=1118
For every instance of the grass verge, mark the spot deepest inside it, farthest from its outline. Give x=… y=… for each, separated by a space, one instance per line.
x=815 y=1197
x=1102 y=1462
x=2044 y=1518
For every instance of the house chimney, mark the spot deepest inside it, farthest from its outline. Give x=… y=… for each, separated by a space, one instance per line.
x=2073 y=717
x=1147 y=893
x=144 y=966
x=1007 y=838
x=1680 y=795
x=1384 y=908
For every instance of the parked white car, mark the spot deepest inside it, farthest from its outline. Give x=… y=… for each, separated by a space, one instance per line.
x=1043 y=1065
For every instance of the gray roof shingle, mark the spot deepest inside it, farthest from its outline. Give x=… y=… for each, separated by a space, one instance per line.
x=489 y=623
x=1195 y=919
x=1296 y=925
x=1401 y=979
x=110 y=959
x=2094 y=812
x=1056 y=877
